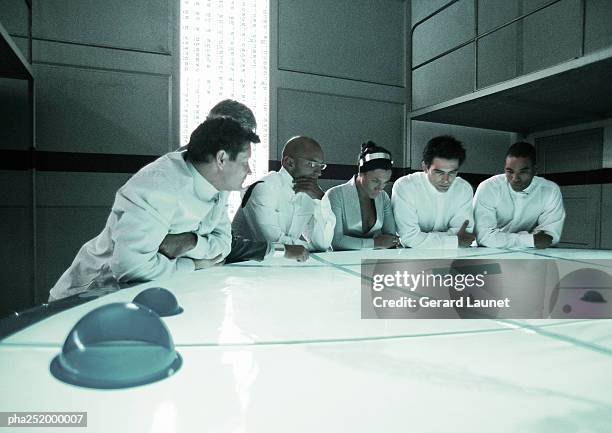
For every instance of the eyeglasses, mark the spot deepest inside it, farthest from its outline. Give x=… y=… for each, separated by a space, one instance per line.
x=313 y=164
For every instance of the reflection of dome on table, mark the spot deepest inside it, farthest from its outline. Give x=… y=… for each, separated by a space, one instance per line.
x=160 y=300
x=117 y=346
x=582 y=295
x=593 y=296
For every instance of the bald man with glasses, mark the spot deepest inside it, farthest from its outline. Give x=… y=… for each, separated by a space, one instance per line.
x=288 y=207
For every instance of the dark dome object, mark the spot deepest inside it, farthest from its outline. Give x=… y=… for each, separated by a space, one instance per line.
x=117 y=345
x=160 y=300
x=593 y=296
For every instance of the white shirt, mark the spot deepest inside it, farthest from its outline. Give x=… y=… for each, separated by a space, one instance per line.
x=275 y=213
x=348 y=234
x=167 y=196
x=428 y=218
x=508 y=219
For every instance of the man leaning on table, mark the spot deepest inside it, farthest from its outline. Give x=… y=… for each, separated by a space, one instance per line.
x=518 y=209
x=182 y=192
x=433 y=208
x=288 y=207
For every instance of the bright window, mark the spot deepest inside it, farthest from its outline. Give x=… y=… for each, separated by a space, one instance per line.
x=224 y=54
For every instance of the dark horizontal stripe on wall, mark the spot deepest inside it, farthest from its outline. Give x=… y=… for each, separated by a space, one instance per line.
x=116 y=163
x=72 y=161
x=593 y=177
x=16 y=159
x=91 y=162
x=474 y=179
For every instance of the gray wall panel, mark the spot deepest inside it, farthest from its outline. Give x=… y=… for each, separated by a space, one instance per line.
x=444 y=31
x=103 y=58
x=497 y=56
x=421 y=8
x=14 y=114
x=485 y=148
x=584 y=148
x=24 y=45
x=14 y=16
x=530 y=5
x=16 y=276
x=135 y=24
x=493 y=13
x=582 y=207
x=61 y=233
x=443 y=79
x=606 y=216
x=82 y=110
x=552 y=35
x=78 y=189
x=607 y=144
x=598 y=32
x=340 y=123
x=354 y=39
x=16 y=187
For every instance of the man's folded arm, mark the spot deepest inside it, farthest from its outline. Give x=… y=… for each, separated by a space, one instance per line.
x=142 y=224
x=552 y=218
x=487 y=233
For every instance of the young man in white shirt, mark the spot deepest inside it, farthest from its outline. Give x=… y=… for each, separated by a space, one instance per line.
x=182 y=193
x=288 y=207
x=518 y=209
x=433 y=208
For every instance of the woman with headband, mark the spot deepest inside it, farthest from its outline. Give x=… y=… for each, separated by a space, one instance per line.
x=364 y=218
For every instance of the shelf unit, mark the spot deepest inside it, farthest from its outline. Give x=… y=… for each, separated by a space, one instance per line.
x=577 y=91
x=574 y=88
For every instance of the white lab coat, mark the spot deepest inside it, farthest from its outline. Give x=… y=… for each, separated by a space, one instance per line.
x=348 y=234
x=508 y=219
x=428 y=218
x=167 y=196
x=275 y=213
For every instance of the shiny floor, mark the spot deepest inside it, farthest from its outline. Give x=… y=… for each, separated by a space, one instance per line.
x=280 y=346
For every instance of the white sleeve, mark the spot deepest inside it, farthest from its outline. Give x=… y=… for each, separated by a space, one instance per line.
x=485 y=219
x=219 y=241
x=261 y=214
x=407 y=222
x=320 y=230
x=340 y=240
x=144 y=214
x=389 y=227
x=463 y=212
x=553 y=216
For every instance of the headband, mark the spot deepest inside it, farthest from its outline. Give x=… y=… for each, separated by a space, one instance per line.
x=370 y=156
x=376 y=160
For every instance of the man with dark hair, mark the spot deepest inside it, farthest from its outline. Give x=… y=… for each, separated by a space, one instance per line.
x=179 y=193
x=288 y=207
x=518 y=209
x=235 y=110
x=433 y=208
